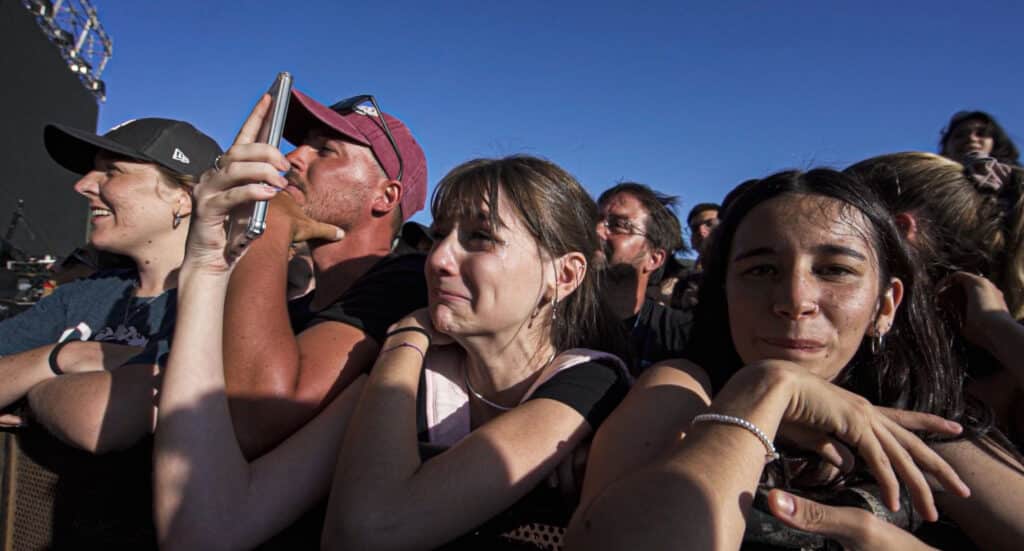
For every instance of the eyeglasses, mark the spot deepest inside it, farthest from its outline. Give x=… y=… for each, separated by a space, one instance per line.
x=353 y=105
x=621 y=226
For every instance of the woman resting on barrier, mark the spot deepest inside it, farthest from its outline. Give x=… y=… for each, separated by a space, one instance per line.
x=813 y=314
x=85 y=355
x=496 y=377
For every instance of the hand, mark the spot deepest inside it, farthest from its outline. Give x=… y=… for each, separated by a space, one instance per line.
x=984 y=305
x=303 y=228
x=421 y=319
x=887 y=447
x=11 y=421
x=237 y=179
x=568 y=475
x=855 y=529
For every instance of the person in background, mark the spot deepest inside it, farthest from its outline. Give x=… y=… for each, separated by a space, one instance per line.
x=701 y=220
x=976 y=140
x=638 y=233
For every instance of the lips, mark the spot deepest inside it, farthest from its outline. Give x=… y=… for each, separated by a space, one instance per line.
x=448 y=295
x=808 y=345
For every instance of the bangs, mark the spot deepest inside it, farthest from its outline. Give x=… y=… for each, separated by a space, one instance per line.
x=470 y=192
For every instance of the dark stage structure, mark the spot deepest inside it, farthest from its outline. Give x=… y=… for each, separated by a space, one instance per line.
x=40 y=214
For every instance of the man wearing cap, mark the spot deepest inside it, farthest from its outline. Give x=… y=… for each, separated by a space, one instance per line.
x=137 y=179
x=355 y=168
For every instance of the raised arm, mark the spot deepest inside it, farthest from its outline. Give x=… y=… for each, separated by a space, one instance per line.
x=988 y=323
x=206 y=495
x=276 y=380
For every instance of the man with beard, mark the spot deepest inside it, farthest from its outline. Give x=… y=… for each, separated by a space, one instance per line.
x=358 y=169
x=638 y=232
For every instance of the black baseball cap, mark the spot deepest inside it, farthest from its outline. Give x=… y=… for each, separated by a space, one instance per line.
x=174 y=145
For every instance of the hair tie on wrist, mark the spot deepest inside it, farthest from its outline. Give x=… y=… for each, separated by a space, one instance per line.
x=769 y=456
x=419 y=330
x=406 y=344
x=53 y=357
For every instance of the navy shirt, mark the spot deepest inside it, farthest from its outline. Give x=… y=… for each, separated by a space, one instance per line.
x=99 y=308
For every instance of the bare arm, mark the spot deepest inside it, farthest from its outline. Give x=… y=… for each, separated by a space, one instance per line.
x=710 y=476
x=291 y=378
x=384 y=496
x=21 y=372
x=991 y=516
x=663 y=401
x=206 y=494
x=988 y=323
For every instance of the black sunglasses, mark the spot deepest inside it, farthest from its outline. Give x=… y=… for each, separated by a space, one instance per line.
x=350 y=104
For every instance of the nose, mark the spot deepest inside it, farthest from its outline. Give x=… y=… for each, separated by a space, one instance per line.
x=705 y=230
x=88 y=185
x=442 y=259
x=796 y=296
x=299 y=158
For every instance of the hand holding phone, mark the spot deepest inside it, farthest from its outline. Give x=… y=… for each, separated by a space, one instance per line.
x=248 y=221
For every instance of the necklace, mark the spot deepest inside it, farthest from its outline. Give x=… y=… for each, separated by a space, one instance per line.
x=469 y=386
x=131 y=311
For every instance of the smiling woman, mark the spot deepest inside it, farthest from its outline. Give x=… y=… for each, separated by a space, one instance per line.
x=137 y=179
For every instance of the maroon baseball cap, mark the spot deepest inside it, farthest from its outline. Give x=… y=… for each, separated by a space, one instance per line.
x=363 y=126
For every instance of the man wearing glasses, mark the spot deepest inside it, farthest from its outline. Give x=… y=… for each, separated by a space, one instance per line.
x=638 y=232
x=357 y=168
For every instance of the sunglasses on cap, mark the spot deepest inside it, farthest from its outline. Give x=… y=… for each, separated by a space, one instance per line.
x=355 y=104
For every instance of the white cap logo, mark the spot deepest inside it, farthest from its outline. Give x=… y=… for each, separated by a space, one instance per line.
x=180 y=156
x=367 y=110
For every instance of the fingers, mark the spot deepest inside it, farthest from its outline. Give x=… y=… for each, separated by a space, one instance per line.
x=910 y=474
x=9 y=420
x=930 y=461
x=251 y=128
x=921 y=422
x=844 y=524
x=831 y=450
x=312 y=230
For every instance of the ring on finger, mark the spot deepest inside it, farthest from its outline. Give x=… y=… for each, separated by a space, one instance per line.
x=216 y=163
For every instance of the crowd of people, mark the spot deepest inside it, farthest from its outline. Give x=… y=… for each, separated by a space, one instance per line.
x=538 y=369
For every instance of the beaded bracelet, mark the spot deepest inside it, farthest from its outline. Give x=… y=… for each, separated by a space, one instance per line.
x=771 y=454
x=408 y=344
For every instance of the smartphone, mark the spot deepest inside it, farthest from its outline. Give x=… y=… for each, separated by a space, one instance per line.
x=248 y=221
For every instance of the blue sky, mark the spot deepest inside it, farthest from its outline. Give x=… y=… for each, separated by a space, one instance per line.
x=687 y=98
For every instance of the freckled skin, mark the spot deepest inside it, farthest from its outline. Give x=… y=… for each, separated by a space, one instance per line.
x=803 y=285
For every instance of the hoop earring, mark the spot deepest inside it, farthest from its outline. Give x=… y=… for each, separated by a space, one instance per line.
x=877 y=342
x=177 y=220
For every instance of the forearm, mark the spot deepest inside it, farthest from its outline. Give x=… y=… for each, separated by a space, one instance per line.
x=21 y=372
x=1004 y=339
x=200 y=476
x=260 y=354
x=99 y=411
x=380 y=451
x=708 y=478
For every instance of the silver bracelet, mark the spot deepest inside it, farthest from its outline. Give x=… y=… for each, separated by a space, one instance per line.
x=772 y=455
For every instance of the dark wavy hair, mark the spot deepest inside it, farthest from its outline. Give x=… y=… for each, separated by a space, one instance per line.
x=1003 y=148
x=561 y=217
x=913 y=370
x=663 y=228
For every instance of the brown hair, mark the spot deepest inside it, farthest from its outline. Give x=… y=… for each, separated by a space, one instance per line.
x=561 y=217
x=960 y=227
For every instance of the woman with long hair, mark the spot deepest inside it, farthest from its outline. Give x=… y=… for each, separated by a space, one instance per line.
x=471 y=404
x=813 y=318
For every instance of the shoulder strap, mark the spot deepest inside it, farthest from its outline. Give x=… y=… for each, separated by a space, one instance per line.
x=572 y=358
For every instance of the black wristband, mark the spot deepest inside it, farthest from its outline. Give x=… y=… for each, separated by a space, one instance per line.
x=53 y=357
x=404 y=329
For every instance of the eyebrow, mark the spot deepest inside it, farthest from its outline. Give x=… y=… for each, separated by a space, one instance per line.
x=827 y=249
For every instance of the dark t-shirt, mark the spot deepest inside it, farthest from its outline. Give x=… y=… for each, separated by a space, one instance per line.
x=99 y=308
x=656 y=333
x=386 y=293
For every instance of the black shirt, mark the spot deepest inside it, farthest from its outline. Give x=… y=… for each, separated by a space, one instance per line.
x=389 y=291
x=656 y=333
